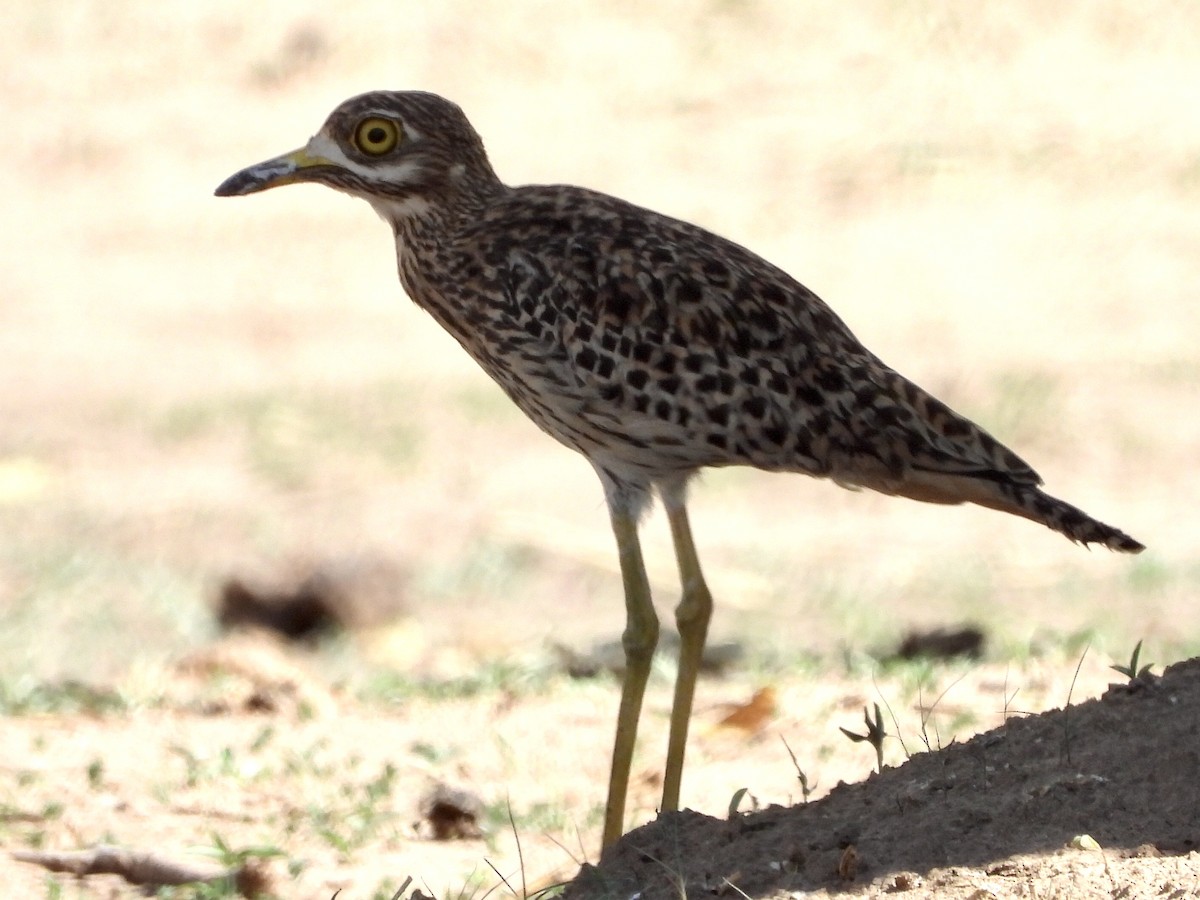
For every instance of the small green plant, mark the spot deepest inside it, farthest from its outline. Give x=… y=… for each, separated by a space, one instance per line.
x=232 y=858
x=1131 y=671
x=95 y=774
x=874 y=736
x=193 y=765
x=241 y=864
x=264 y=737
x=736 y=800
x=432 y=753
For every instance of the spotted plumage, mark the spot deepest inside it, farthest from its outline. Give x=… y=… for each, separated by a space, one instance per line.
x=652 y=346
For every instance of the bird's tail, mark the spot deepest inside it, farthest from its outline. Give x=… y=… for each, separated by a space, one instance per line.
x=1021 y=498
x=1033 y=503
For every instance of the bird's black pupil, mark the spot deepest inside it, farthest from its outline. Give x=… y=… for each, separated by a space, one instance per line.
x=376 y=135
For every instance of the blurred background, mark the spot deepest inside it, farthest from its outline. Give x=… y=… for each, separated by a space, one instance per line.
x=1003 y=201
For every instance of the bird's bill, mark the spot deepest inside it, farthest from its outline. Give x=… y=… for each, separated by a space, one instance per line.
x=287 y=169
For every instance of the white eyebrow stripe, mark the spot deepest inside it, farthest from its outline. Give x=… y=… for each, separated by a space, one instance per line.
x=395 y=173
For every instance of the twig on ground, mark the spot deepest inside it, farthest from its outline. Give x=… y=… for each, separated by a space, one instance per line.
x=1067 y=708
x=134 y=866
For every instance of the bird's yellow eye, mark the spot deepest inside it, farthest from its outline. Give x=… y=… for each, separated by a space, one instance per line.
x=375 y=136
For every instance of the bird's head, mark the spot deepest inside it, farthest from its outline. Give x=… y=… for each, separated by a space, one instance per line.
x=403 y=152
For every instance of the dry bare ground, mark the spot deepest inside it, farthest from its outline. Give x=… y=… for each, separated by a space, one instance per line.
x=1001 y=201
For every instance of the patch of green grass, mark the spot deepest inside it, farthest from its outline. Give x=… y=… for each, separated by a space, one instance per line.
x=357 y=812
x=493 y=676
x=538 y=818
x=767 y=658
x=289 y=436
x=29 y=696
x=1147 y=574
x=104 y=607
x=1045 y=644
x=912 y=677
x=487 y=567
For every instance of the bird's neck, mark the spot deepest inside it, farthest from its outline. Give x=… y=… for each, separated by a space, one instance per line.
x=425 y=232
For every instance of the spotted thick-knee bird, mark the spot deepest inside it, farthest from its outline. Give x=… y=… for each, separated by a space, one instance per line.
x=654 y=348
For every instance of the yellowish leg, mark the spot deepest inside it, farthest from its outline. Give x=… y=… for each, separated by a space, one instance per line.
x=692 y=617
x=639 y=640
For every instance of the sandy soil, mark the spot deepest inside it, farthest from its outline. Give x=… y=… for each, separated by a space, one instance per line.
x=1003 y=202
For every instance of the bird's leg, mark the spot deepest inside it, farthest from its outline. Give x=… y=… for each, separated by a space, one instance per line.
x=639 y=640
x=692 y=617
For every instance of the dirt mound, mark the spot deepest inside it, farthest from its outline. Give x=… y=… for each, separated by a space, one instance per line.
x=1008 y=813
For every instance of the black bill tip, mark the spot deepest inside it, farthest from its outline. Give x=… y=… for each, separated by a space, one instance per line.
x=243 y=182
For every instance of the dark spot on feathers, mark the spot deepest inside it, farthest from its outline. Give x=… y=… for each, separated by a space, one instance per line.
x=586 y=359
x=716 y=272
x=810 y=396
x=688 y=292
x=776 y=434
x=750 y=377
x=719 y=415
x=830 y=379
x=955 y=427
x=637 y=378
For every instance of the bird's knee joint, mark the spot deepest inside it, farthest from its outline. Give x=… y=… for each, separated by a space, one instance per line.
x=639 y=642
x=695 y=606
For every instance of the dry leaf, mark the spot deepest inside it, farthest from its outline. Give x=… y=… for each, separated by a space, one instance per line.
x=752 y=716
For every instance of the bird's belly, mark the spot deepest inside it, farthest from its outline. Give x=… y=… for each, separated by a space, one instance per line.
x=619 y=440
x=648 y=444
